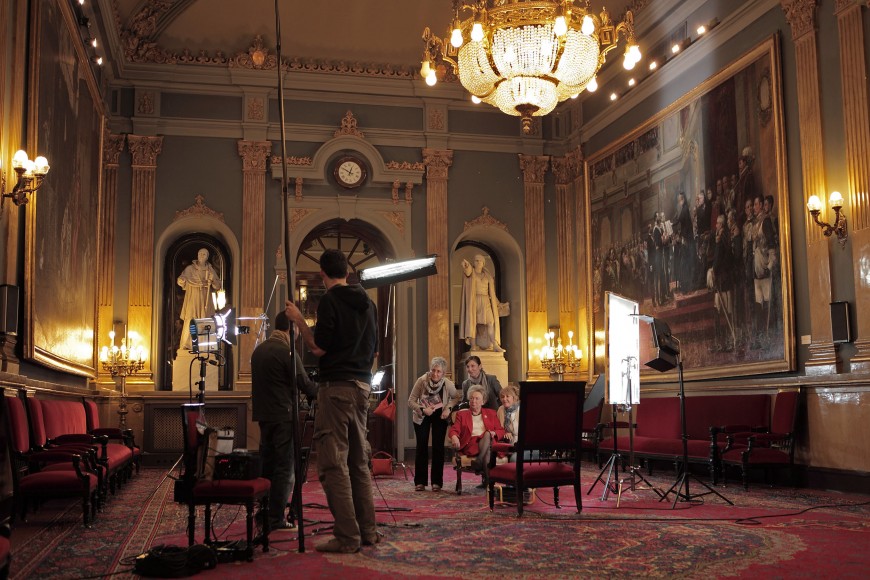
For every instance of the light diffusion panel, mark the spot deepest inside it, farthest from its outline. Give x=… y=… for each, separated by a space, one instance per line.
x=623 y=350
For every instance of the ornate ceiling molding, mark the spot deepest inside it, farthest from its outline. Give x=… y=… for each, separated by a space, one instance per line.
x=139 y=44
x=198 y=209
x=291 y=160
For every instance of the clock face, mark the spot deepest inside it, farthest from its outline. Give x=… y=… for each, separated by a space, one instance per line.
x=349 y=172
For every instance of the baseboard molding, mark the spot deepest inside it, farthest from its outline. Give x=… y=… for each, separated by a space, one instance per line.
x=832 y=479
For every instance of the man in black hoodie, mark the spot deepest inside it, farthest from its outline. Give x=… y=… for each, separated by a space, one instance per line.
x=345 y=338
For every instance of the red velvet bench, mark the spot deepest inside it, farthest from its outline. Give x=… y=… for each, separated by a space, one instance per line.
x=658 y=433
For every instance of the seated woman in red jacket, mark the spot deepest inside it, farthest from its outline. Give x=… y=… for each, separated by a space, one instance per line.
x=475 y=428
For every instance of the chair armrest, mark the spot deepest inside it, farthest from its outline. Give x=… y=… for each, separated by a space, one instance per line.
x=110 y=432
x=72 y=439
x=502 y=447
x=766 y=439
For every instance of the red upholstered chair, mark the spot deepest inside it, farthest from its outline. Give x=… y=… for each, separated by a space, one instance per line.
x=62 y=424
x=46 y=475
x=195 y=488
x=548 y=444
x=773 y=448
x=114 y=434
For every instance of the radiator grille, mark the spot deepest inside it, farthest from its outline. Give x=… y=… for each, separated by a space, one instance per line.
x=164 y=432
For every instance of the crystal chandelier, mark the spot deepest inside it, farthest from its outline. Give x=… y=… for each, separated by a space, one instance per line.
x=526 y=56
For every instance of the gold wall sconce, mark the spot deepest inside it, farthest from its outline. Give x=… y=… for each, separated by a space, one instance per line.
x=835 y=200
x=31 y=174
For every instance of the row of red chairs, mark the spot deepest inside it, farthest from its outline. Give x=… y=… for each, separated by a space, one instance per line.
x=59 y=450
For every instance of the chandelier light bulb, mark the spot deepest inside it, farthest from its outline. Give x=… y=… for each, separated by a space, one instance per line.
x=431 y=79
x=424 y=70
x=627 y=62
x=475 y=99
x=593 y=85
x=634 y=51
x=456 y=37
x=560 y=27
x=836 y=200
x=477 y=32
x=588 y=26
x=814 y=203
x=575 y=95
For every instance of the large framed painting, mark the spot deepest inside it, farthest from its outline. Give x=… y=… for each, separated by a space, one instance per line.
x=65 y=125
x=689 y=217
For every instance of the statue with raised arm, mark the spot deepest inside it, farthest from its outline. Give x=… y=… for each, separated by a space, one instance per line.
x=197 y=280
x=478 y=312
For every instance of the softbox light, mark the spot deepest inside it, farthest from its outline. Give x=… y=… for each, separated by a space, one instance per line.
x=397 y=272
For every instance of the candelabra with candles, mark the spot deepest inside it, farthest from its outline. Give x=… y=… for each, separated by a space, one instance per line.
x=122 y=361
x=558 y=358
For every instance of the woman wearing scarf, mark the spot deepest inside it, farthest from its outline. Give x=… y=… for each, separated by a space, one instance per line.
x=476 y=376
x=509 y=415
x=432 y=399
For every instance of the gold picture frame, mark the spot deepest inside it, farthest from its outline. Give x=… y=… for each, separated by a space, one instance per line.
x=724 y=290
x=65 y=124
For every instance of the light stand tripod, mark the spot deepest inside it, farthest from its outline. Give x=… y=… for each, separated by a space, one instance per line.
x=680 y=488
x=611 y=465
x=634 y=473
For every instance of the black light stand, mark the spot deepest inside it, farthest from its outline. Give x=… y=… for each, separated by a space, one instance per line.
x=633 y=470
x=611 y=465
x=680 y=488
x=667 y=349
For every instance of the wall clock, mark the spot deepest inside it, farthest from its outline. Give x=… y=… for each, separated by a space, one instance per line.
x=349 y=172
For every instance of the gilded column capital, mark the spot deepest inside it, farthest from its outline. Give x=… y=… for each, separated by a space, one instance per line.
x=145 y=149
x=113 y=146
x=841 y=5
x=437 y=162
x=568 y=168
x=534 y=167
x=254 y=154
x=800 y=15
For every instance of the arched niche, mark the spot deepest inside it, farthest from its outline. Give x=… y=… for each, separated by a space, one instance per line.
x=203 y=223
x=512 y=289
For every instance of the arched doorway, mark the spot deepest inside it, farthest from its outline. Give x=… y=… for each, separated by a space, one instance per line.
x=365 y=246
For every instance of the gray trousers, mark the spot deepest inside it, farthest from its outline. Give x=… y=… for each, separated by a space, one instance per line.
x=276 y=451
x=342 y=459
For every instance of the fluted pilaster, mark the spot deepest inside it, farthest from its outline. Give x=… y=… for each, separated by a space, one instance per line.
x=856 y=130
x=113 y=145
x=534 y=168
x=437 y=164
x=801 y=17
x=144 y=150
x=255 y=155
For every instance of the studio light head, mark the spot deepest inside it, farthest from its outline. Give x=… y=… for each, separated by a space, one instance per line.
x=206 y=333
x=397 y=271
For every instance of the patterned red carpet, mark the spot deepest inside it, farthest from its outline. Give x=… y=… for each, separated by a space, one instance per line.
x=778 y=532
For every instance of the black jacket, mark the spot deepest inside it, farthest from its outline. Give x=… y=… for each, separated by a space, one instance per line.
x=271 y=386
x=347 y=330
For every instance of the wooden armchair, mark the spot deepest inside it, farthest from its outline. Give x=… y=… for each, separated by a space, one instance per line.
x=194 y=489
x=772 y=448
x=115 y=435
x=549 y=442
